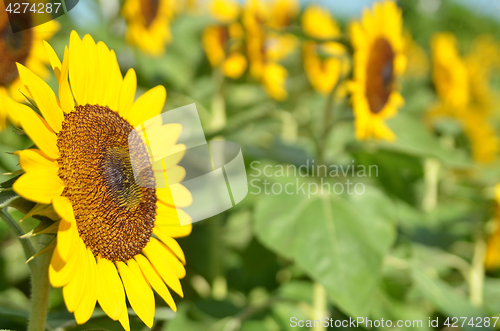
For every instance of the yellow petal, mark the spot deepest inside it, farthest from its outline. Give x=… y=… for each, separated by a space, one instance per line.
x=138 y=291
x=60 y=271
x=45 y=98
x=176 y=174
x=148 y=105
x=74 y=291
x=170 y=219
x=65 y=94
x=77 y=68
x=155 y=280
x=124 y=320
x=164 y=269
x=179 y=194
x=170 y=242
x=67 y=239
x=87 y=305
x=167 y=255
x=91 y=68
x=110 y=293
x=39 y=186
x=35 y=159
x=63 y=207
x=38 y=130
x=176 y=153
x=54 y=60
x=127 y=93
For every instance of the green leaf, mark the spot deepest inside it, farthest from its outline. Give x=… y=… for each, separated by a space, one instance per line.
x=414 y=139
x=340 y=242
x=447 y=299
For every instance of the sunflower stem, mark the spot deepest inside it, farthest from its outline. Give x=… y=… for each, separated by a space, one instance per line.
x=219 y=118
x=28 y=248
x=40 y=287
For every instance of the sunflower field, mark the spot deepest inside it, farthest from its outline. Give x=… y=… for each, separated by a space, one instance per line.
x=370 y=134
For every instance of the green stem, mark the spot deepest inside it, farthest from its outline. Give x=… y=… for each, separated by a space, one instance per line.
x=319 y=305
x=327 y=117
x=476 y=276
x=28 y=248
x=40 y=287
x=219 y=118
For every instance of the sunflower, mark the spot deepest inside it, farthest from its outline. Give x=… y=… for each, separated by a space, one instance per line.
x=324 y=62
x=418 y=62
x=378 y=63
x=265 y=49
x=449 y=72
x=222 y=43
x=24 y=47
x=115 y=239
x=148 y=24
x=282 y=13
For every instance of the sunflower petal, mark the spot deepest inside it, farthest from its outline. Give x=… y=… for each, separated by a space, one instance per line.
x=170 y=242
x=38 y=130
x=86 y=307
x=65 y=95
x=54 y=60
x=45 y=98
x=167 y=255
x=60 y=271
x=35 y=159
x=127 y=93
x=124 y=320
x=110 y=292
x=148 y=105
x=155 y=280
x=138 y=291
x=74 y=291
x=183 y=197
x=63 y=207
x=164 y=269
x=39 y=186
x=77 y=68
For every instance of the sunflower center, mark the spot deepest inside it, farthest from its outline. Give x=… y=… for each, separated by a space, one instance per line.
x=149 y=10
x=14 y=47
x=114 y=215
x=379 y=75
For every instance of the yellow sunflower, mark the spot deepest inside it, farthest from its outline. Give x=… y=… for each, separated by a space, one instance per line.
x=265 y=49
x=282 y=13
x=418 y=62
x=24 y=47
x=324 y=62
x=115 y=239
x=449 y=72
x=148 y=24
x=378 y=63
x=223 y=44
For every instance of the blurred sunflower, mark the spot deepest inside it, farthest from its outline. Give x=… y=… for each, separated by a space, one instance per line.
x=324 y=62
x=224 y=44
x=449 y=72
x=24 y=47
x=265 y=49
x=114 y=238
x=282 y=13
x=148 y=24
x=379 y=61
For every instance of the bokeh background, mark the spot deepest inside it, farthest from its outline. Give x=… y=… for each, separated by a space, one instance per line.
x=423 y=240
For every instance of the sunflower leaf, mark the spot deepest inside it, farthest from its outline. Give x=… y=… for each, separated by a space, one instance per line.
x=339 y=241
